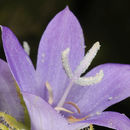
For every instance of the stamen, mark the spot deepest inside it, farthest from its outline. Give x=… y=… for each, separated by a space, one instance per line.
x=65 y=63
x=74 y=105
x=50 y=93
x=63 y=109
x=72 y=119
x=26 y=47
x=84 y=64
x=86 y=81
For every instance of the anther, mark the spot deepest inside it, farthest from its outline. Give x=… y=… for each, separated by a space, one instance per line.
x=26 y=47
x=74 y=105
x=50 y=93
x=72 y=119
x=63 y=109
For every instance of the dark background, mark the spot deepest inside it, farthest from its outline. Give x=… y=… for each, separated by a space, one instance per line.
x=107 y=21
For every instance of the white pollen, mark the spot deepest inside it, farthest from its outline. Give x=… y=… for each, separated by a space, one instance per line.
x=98 y=113
x=28 y=60
x=85 y=63
x=111 y=123
x=110 y=98
x=86 y=81
x=43 y=55
x=26 y=47
x=65 y=62
x=50 y=92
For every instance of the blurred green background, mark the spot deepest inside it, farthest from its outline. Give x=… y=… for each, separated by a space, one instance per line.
x=107 y=21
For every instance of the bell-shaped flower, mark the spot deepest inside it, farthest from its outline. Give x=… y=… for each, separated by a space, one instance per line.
x=56 y=95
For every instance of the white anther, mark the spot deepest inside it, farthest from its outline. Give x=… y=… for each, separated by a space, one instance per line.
x=84 y=64
x=26 y=47
x=65 y=62
x=50 y=93
x=43 y=57
x=86 y=81
x=98 y=113
x=63 y=109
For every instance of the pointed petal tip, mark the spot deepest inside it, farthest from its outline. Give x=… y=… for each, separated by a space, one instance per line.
x=67 y=10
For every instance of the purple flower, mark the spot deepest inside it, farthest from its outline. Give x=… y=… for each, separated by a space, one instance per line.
x=56 y=95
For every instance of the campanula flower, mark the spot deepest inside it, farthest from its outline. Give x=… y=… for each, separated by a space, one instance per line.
x=56 y=95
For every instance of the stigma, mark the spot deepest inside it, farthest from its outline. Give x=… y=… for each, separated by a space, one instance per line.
x=75 y=77
x=83 y=66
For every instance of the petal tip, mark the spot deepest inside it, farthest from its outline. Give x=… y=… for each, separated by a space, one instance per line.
x=67 y=10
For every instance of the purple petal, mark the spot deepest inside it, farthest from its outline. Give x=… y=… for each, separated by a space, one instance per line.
x=19 y=62
x=114 y=87
x=111 y=120
x=9 y=100
x=63 y=32
x=43 y=116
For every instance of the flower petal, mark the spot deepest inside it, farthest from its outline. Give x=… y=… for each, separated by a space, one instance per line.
x=9 y=100
x=111 y=120
x=43 y=116
x=63 y=32
x=19 y=62
x=114 y=87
